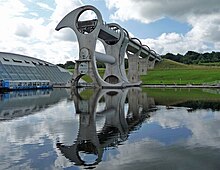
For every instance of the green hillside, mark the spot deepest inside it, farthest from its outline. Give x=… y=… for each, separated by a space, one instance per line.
x=170 y=64
x=171 y=72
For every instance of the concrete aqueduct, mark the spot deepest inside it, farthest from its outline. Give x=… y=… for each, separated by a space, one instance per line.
x=116 y=42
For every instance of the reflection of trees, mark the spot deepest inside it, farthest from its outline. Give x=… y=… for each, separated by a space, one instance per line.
x=192 y=98
x=194 y=105
x=116 y=128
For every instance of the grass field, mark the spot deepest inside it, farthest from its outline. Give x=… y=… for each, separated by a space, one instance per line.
x=182 y=76
x=171 y=72
x=211 y=64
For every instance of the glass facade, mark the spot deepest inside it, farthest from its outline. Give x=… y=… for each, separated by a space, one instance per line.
x=17 y=67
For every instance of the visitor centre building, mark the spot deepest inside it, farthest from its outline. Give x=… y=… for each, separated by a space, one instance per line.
x=27 y=71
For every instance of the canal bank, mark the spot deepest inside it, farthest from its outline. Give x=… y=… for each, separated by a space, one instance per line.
x=179 y=86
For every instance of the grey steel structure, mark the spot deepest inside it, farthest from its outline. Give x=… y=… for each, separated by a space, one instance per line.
x=20 y=67
x=116 y=42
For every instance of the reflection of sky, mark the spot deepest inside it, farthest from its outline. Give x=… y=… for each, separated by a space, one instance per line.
x=165 y=136
x=30 y=142
x=170 y=139
x=204 y=124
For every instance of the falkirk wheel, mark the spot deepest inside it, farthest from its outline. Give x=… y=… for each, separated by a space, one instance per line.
x=117 y=45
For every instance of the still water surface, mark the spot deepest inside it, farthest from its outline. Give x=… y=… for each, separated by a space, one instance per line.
x=110 y=129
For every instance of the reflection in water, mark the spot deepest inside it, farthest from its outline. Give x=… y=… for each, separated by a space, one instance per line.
x=109 y=129
x=20 y=103
x=192 y=98
x=117 y=124
x=194 y=105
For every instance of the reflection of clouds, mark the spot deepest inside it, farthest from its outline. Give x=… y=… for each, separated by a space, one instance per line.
x=28 y=141
x=57 y=122
x=151 y=155
x=62 y=162
x=172 y=121
x=28 y=129
x=204 y=124
x=199 y=151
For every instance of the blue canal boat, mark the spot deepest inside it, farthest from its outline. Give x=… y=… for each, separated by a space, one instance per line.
x=25 y=84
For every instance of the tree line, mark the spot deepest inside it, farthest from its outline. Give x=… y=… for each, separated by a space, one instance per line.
x=192 y=57
x=71 y=64
x=67 y=65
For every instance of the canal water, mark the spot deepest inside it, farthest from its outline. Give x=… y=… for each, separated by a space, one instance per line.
x=110 y=129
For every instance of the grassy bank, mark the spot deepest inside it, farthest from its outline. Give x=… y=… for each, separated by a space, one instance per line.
x=171 y=72
x=211 y=64
x=182 y=76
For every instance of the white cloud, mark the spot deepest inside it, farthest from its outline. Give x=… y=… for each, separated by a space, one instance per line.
x=35 y=36
x=11 y=8
x=205 y=27
x=150 y=10
x=63 y=9
x=34 y=14
x=44 y=6
x=203 y=16
x=23 y=28
x=217 y=46
x=175 y=43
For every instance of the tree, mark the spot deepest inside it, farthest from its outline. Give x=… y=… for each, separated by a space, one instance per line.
x=61 y=65
x=67 y=65
x=192 y=57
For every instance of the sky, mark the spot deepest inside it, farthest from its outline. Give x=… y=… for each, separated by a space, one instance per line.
x=175 y=26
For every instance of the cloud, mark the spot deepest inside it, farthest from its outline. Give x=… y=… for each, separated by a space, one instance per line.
x=175 y=43
x=149 y=10
x=63 y=9
x=11 y=8
x=24 y=32
x=66 y=34
x=203 y=16
x=205 y=27
x=44 y=6
x=34 y=14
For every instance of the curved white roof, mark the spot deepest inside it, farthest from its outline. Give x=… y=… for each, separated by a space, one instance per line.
x=17 y=59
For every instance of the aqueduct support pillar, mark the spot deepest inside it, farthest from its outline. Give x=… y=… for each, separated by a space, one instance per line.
x=143 y=65
x=151 y=64
x=133 y=69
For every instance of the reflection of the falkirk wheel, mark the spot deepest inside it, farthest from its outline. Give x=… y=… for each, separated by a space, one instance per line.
x=90 y=143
